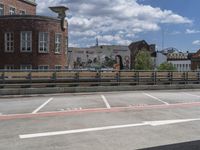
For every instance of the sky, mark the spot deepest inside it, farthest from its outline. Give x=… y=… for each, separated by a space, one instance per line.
x=166 y=23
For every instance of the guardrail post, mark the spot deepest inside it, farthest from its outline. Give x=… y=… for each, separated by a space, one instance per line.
x=98 y=76
x=186 y=77
x=77 y=76
x=118 y=77
x=170 y=75
x=155 y=77
x=54 y=76
x=30 y=78
x=2 y=78
x=138 y=77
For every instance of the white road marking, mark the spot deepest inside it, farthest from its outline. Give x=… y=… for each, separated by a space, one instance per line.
x=156 y=98
x=146 y=123
x=191 y=94
x=40 y=107
x=105 y=101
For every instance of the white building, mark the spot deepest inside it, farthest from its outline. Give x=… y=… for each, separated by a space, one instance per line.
x=180 y=61
x=160 y=58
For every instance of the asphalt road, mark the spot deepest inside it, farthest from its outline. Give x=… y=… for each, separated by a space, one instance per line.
x=100 y=121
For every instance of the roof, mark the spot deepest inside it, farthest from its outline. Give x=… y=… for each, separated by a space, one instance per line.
x=196 y=55
x=33 y=17
x=135 y=45
x=33 y=2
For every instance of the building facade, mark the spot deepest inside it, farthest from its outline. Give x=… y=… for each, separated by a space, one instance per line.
x=17 y=7
x=98 y=57
x=180 y=61
x=135 y=47
x=31 y=41
x=195 y=59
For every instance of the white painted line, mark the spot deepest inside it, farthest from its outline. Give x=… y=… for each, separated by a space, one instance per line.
x=105 y=101
x=146 y=123
x=191 y=94
x=40 y=107
x=156 y=98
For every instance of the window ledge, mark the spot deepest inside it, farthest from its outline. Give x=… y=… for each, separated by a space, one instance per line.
x=43 y=52
x=58 y=53
x=8 y=51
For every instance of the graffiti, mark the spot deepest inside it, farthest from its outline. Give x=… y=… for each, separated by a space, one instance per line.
x=127 y=62
x=100 y=58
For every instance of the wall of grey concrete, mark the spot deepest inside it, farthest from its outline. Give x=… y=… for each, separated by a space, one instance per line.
x=54 y=90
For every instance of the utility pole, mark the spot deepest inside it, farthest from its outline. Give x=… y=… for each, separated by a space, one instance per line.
x=163 y=38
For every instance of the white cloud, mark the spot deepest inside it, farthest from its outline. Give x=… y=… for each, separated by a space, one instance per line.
x=191 y=31
x=196 y=42
x=111 y=18
x=175 y=33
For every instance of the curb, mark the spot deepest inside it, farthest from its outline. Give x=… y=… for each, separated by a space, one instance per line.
x=55 y=90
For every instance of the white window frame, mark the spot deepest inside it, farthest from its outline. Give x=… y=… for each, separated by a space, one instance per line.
x=58 y=67
x=9 y=43
x=12 y=12
x=42 y=67
x=2 y=9
x=26 y=67
x=20 y=12
x=26 y=41
x=58 y=43
x=43 y=42
x=9 y=67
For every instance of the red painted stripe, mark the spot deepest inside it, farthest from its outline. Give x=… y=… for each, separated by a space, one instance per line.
x=97 y=110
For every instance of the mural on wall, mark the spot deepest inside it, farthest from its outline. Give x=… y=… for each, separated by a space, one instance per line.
x=100 y=58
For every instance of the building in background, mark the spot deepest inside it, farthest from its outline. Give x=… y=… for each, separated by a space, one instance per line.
x=195 y=60
x=160 y=58
x=179 y=60
x=98 y=57
x=135 y=47
x=17 y=7
x=28 y=41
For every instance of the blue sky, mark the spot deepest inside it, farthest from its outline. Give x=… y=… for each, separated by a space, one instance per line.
x=120 y=22
x=181 y=39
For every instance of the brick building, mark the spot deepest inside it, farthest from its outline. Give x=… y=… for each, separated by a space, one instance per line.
x=22 y=7
x=195 y=59
x=28 y=41
x=135 y=47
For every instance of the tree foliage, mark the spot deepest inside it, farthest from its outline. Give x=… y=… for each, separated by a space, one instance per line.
x=143 y=61
x=166 y=67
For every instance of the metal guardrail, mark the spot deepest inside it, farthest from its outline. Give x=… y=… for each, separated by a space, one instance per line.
x=25 y=79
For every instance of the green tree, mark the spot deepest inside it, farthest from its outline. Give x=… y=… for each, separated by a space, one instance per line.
x=143 y=61
x=166 y=67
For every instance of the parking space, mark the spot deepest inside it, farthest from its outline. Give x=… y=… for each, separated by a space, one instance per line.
x=173 y=97
x=130 y=99
x=68 y=103
x=66 y=121
x=75 y=102
x=20 y=105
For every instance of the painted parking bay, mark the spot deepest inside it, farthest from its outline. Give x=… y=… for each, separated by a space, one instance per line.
x=173 y=97
x=77 y=102
x=20 y=105
x=129 y=99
